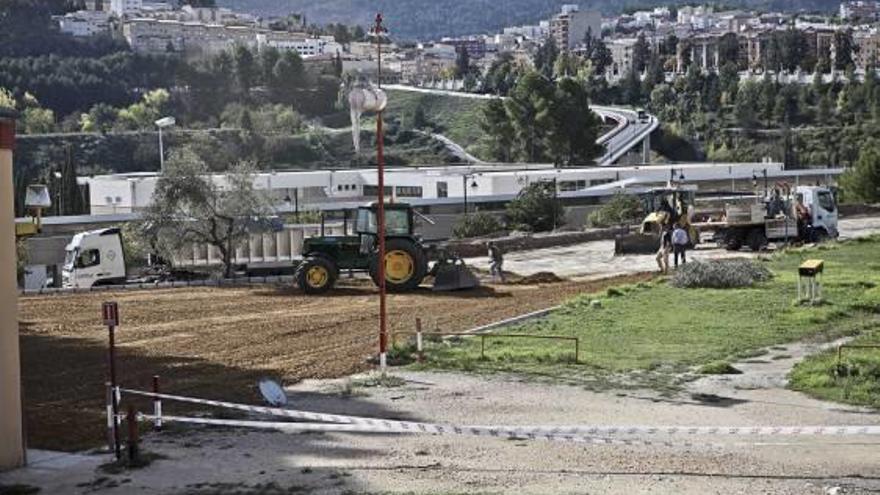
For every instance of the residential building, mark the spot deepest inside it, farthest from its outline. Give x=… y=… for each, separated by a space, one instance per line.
x=867 y=52
x=305 y=45
x=621 y=56
x=570 y=27
x=84 y=23
x=126 y=7
x=475 y=46
x=860 y=10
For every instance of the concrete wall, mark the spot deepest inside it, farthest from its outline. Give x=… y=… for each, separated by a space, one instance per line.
x=11 y=431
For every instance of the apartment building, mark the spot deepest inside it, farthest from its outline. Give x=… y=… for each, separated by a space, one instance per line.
x=570 y=27
x=306 y=46
x=84 y=23
x=860 y=10
x=867 y=52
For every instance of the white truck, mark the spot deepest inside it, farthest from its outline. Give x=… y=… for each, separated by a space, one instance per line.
x=97 y=257
x=94 y=258
x=775 y=219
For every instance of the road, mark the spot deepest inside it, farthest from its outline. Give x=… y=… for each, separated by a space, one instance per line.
x=595 y=260
x=628 y=134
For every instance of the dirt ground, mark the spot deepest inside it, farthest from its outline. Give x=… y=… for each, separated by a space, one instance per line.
x=217 y=342
x=211 y=460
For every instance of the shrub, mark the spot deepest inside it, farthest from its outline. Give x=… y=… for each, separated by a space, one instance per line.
x=623 y=209
x=477 y=225
x=536 y=208
x=718 y=368
x=721 y=274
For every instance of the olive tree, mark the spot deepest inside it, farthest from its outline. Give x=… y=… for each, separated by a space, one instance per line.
x=191 y=206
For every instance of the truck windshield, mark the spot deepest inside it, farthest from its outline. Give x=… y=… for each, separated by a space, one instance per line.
x=826 y=201
x=69 y=257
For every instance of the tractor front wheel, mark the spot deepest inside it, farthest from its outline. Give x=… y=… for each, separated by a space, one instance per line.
x=405 y=265
x=316 y=275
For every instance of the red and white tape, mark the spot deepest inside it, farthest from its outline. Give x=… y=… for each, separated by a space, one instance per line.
x=590 y=432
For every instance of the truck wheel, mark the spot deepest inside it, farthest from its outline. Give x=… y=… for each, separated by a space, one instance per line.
x=405 y=265
x=316 y=275
x=757 y=240
x=733 y=241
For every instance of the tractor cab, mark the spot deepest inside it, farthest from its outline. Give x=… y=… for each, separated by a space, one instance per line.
x=398 y=220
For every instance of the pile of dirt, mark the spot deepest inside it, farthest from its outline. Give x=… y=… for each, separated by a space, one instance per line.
x=540 y=278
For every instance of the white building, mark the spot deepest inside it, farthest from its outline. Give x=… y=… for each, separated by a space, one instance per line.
x=306 y=46
x=130 y=193
x=84 y=23
x=126 y=7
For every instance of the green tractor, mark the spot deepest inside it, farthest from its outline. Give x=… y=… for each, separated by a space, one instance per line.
x=406 y=257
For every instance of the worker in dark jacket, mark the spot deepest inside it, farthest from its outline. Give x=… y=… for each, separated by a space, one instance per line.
x=496 y=261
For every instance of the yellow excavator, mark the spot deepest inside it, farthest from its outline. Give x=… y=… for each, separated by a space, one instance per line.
x=663 y=207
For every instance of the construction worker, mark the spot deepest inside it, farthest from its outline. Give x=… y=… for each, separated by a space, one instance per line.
x=804 y=218
x=679 y=243
x=665 y=249
x=496 y=261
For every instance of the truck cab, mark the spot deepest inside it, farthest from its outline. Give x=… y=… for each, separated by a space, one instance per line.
x=823 y=209
x=94 y=258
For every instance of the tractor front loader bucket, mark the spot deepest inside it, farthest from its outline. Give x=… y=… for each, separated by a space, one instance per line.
x=636 y=244
x=453 y=274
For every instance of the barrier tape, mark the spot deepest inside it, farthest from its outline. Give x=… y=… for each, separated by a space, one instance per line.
x=590 y=431
x=500 y=433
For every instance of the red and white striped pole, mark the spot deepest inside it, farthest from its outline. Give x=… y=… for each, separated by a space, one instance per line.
x=378 y=31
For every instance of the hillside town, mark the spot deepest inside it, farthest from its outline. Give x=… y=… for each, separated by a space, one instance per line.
x=754 y=42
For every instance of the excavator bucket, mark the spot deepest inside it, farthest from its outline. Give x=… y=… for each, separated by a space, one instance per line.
x=636 y=244
x=453 y=274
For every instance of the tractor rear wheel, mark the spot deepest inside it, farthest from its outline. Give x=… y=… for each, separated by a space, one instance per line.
x=405 y=265
x=316 y=275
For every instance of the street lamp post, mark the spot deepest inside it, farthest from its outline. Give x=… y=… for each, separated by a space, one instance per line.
x=378 y=31
x=161 y=124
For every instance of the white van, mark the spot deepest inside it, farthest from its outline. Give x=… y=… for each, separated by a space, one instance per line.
x=94 y=258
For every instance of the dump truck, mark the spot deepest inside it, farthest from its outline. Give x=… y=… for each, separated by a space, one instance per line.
x=758 y=222
x=406 y=256
x=662 y=206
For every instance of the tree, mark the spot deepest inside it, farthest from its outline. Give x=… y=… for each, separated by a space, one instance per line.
x=545 y=57
x=245 y=69
x=462 y=63
x=143 y=115
x=6 y=99
x=100 y=118
x=288 y=76
x=528 y=110
x=843 y=50
x=621 y=210
x=268 y=58
x=499 y=131
x=862 y=181
x=747 y=104
x=36 y=120
x=189 y=207
x=728 y=49
x=536 y=208
x=641 y=54
x=574 y=128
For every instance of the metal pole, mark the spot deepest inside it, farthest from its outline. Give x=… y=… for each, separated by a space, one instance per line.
x=464 y=188
x=157 y=404
x=421 y=356
x=114 y=395
x=161 y=153
x=131 y=419
x=380 y=220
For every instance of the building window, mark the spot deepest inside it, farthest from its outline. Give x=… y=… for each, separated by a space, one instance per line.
x=409 y=191
x=374 y=190
x=600 y=181
x=572 y=185
x=442 y=190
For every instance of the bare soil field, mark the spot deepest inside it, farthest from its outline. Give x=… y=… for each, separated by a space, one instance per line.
x=217 y=342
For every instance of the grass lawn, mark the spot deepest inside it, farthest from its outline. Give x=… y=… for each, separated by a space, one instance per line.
x=656 y=327
x=456 y=118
